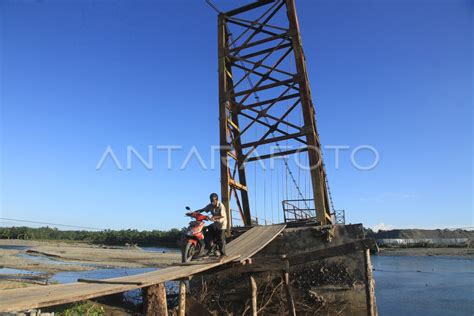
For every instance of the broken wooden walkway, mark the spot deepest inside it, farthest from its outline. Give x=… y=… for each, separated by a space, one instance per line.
x=238 y=250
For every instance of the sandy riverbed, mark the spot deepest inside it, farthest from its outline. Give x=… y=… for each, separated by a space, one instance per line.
x=49 y=256
x=77 y=254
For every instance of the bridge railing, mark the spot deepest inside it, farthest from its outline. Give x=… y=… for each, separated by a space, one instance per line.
x=298 y=210
x=237 y=219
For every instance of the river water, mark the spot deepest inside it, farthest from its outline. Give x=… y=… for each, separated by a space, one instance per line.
x=404 y=285
x=422 y=285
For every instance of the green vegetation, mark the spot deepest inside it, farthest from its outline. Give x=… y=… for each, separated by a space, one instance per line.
x=81 y=308
x=107 y=237
x=7 y=285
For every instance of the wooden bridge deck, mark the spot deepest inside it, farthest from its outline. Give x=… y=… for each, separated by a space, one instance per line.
x=239 y=249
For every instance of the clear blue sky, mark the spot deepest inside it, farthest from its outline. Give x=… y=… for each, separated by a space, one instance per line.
x=78 y=76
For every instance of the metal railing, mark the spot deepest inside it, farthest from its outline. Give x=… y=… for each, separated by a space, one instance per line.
x=340 y=217
x=236 y=220
x=298 y=210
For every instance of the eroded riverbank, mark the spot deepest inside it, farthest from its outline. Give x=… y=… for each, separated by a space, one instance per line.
x=55 y=261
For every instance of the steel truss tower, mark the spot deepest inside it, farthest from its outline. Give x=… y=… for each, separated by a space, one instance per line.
x=263 y=83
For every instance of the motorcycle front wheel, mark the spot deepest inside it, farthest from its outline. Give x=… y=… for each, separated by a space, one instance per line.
x=189 y=251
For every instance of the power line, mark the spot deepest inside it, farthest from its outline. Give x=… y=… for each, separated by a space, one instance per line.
x=46 y=223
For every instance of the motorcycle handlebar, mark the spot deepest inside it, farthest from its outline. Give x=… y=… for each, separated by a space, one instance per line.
x=190 y=214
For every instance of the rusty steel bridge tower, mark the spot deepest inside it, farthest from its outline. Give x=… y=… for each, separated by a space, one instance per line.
x=263 y=83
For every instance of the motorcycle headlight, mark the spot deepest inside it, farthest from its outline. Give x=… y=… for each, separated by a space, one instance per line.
x=189 y=232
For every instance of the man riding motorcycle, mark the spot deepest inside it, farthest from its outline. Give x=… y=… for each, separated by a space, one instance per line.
x=218 y=228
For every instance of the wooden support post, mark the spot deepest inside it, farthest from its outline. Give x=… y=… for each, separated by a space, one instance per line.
x=253 y=289
x=182 y=298
x=369 y=285
x=289 y=294
x=155 y=300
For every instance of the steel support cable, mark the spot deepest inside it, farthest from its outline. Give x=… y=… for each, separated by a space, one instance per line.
x=329 y=193
x=264 y=193
x=255 y=179
x=282 y=187
x=213 y=6
x=278 y=192
x=271 y=192
x=299 y=155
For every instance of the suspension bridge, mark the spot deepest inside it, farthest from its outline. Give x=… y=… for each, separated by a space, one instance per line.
x=266 y=116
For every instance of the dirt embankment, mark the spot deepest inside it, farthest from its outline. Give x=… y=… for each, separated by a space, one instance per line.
x=449 y=252
x=424 y=242
x=422 y=233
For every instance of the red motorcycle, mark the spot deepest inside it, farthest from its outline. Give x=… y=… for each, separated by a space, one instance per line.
x=195 y=236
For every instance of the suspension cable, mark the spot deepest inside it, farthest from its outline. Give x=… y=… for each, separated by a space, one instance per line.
x=329 y=193
x=264 y=193
x=271 y=193
x=213 y=6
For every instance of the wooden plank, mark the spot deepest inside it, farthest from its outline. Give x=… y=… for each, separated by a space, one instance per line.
x=244 y=247
x=254 y=240
x=107 y=281
x=205 y=261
